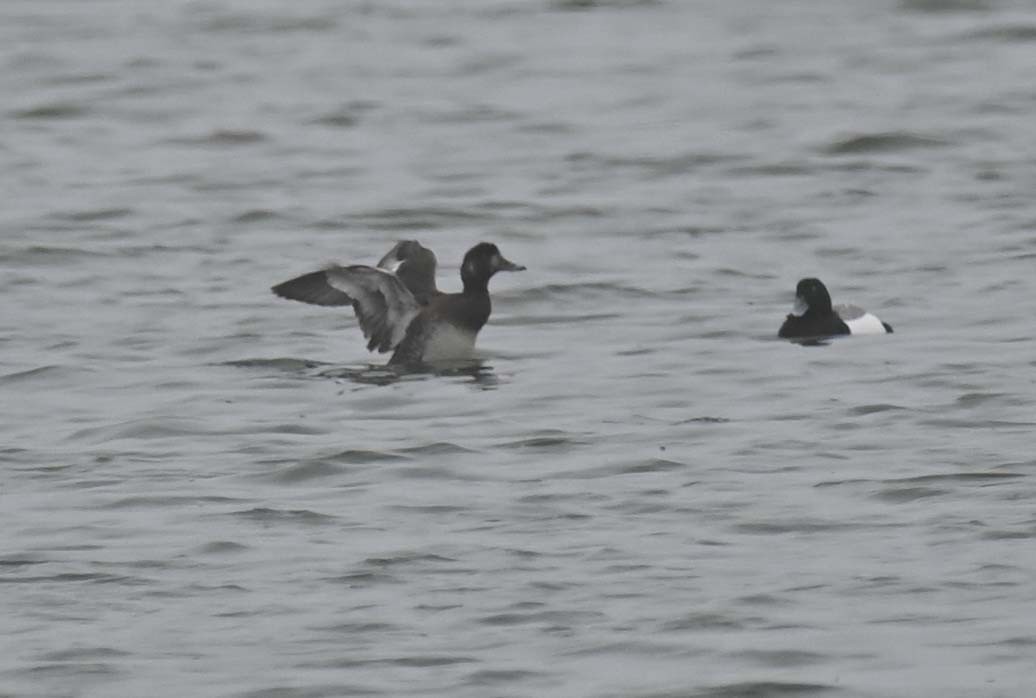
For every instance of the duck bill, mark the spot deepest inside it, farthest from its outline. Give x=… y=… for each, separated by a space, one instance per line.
x=502 y=264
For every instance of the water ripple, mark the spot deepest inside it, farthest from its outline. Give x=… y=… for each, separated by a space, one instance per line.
x=273 y=516
x=640 y=473
x=892 y=141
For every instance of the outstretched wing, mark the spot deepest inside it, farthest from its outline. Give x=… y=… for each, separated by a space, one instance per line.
x=312 y=288
x=411 y=261
x=384 y=306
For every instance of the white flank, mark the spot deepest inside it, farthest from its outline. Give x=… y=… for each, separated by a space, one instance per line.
x=449 y=343
x=865 y=324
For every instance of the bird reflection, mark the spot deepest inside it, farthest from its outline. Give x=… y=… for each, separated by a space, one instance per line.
x=481 y=374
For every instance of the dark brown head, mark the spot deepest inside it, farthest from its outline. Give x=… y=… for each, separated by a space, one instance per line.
x=480 y=263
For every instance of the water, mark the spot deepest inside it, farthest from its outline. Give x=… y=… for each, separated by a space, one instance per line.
x=639 y=492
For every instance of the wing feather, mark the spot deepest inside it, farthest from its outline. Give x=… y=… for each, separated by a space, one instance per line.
x=383 y=304
x=312 y=288
x=849 y=312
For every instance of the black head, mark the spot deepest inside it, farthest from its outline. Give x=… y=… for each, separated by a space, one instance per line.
x=480 y=263
x=812 y=295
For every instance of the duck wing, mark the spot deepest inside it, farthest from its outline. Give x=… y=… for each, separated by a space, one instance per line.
x=848 y=312
x=384 y=306
x=312 y=288
x=411 y=261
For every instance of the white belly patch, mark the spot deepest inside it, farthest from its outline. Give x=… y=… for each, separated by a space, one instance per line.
x=449 y=343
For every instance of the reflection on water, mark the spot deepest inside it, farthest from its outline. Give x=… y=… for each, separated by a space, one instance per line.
x=480 y=373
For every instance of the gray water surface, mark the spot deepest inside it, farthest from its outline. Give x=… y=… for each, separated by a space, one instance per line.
x=638 y=491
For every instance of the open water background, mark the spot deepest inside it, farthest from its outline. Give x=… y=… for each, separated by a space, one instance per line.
x=640 y=492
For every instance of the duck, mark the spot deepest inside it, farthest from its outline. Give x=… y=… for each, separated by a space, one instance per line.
x=400 y=309
x=813 y=315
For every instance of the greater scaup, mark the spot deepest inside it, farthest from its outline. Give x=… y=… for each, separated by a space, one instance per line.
x=409 y=314
x=814 y=316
